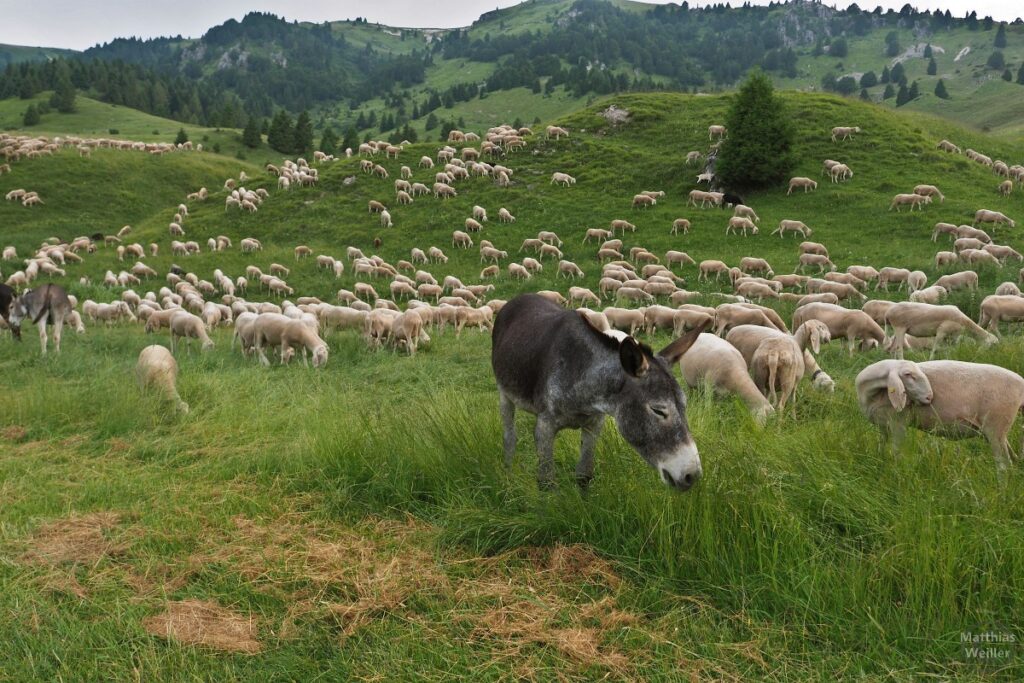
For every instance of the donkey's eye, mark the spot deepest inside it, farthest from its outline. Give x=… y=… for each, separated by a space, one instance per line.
x=660 y=412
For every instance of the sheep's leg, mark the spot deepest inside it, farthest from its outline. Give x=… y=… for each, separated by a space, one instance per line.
x=588 y=442
x=544 y=435
x=507 y=409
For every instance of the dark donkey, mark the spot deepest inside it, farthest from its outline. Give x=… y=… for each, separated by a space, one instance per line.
x=47 y=305
x=553 y=363
x=7 y=295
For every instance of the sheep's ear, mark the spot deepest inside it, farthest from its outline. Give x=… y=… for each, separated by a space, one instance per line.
x=632 y=357
x=816 y=342
x=674 y=351
x=897 y=392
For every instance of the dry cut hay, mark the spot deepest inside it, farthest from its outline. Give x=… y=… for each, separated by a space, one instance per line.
x=204 y=623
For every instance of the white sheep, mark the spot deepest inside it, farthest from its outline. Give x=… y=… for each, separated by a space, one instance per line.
x=157 y=368
x=801 y=182
x=189 y=326
x=715 y=362
x=927 y=320
x=946 y=397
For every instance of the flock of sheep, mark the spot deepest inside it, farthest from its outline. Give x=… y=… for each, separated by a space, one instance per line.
x=752 y=353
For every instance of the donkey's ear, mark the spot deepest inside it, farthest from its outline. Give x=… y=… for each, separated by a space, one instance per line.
x=632 y=357
x=674 y=351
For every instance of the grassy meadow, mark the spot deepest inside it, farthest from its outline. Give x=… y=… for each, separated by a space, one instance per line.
x=358 y=523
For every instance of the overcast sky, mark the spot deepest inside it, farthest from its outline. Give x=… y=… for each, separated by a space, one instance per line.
x=83 y=23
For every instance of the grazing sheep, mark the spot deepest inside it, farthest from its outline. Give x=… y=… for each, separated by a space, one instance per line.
x=1001 y=307
x=622 y=226
x=569 y=269
x=711 y=266
x=806 y=183
x=929 y=191
x=967 y=279
x=680 y=257
x=583 y=296
x=927 y=320
x=994 y=217
x=819 y=260
x=716 y=130
x=740 y=222
x=777 y=364
x=912 y=199
x=505 y=217
x=950 y=398
x=944 y=229
x=840 y=172
x=157 y=368
x=890 y=274
x=642 y=201
x=853 y=325
x=844 y=132
x=947 y=146
x=744 y=210
x=563 y=179
x=715 y=362
x=1003 y=252
x=750 y=264
x=1005 y=188
x=916 y=280
x=792 y=226
x=929 y=295
x=189 y=326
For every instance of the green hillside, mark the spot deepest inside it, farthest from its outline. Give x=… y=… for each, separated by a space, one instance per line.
x=102 y=120
x=357 y=522
x=13 y=54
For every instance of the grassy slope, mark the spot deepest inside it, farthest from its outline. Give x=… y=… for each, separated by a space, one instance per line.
x=12 y=54
x=807 y=551
x=95 y=119
x=980 y=98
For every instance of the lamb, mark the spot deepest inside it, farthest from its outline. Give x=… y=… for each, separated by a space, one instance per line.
x=792 y=226
x=157 y=368
x=947 y=397
x=806 y=183
x=912 y=199
x=929 y=191
x=844 y=132
x=385 y=219
x=189 y=326
x=994 y=217
x=740 y=222
x=967 y=279
x=853 y=325
x=715 y=362
x=563 y=179
x=927 y=320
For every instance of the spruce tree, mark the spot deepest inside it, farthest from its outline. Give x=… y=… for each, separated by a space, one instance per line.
x=1001 y=36
x=940 y=90
x=928 y=51
x=1020 y=74
x=329 y=141
x=31 y=117
x=351 y=140
x=885 y=75
x=280 y=134
x=869 y=80
x=903 y=96
x=889 y=92
x=181 y=138
x=996 y=60
x=432 y=121
x=759 y=149
x=302 y=137
x=63 y=99
x=251 y=133
x=933 y=68
x=914 y=92
x=1007 y=76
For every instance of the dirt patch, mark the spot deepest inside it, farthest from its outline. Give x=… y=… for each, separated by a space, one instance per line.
x=13 y=433
x=616 y=115
x=76 y=540
x=197 y=622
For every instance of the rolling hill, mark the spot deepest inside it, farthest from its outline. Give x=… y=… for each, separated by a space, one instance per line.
x=358 y=522
x=547 y=58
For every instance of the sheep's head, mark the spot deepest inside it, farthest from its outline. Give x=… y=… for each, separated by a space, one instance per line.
x=320 y=356
x=906 y=382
